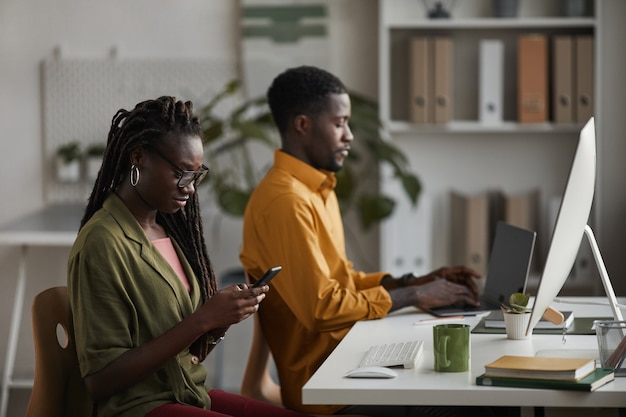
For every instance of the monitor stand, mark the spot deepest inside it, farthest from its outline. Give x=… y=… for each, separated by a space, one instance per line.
x=610 y=294
x=604 y=276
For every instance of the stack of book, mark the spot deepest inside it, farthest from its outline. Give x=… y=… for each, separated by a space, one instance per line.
x=578 y=374
x=495 y=320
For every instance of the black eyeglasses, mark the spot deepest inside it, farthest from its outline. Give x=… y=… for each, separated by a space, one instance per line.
x=186 y=177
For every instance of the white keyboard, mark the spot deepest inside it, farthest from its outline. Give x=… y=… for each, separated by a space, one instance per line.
x=394 y=354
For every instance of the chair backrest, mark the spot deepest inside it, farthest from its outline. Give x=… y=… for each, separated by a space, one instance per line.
x=58 y=389
x=257 y=380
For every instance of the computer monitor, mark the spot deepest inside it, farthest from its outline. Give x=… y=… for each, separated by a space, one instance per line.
x=569 y=229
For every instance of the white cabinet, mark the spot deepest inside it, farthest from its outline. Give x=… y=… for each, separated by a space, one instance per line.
x=463 y=154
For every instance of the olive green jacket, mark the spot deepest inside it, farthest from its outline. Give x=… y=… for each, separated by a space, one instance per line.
x=124 y=293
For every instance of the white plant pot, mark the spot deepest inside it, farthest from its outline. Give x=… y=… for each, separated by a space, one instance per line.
x=68 y=171
x=92 y=166
x=516 y=324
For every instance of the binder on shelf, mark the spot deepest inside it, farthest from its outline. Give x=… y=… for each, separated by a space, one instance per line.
x=496 y=212
x=421 y=96
x=491 y=81
x=443 y=60
x=563 y=75
x=407 y=236
x=470 y=230
x=532 y=78
x=521 y=210
x=584 y=78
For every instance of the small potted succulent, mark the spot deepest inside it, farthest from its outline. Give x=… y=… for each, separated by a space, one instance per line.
x=517 y=316
x=68 y=157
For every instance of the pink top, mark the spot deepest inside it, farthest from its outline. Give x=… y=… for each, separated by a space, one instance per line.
x=166 y=248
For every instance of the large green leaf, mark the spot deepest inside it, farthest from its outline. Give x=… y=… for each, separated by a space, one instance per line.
x=387 y=152
x=345 y=184
x=251 y=129
x=229 y=89
x=373 y=208
x=213 y=131
x=233 y=200
x=412 y=186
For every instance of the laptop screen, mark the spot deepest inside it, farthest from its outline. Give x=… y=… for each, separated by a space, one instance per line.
x=509 y=264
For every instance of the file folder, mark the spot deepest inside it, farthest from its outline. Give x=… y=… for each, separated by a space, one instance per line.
x=522 y=210
x=584 y=78
x=491 y=81
x=443 y=74
x=470 y=230
x=532 y=78
x=563 y=71
x=497 y=206
x=421 y=97
x=407 y=236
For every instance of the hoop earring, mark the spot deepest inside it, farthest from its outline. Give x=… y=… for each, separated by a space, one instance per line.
x=134 y=175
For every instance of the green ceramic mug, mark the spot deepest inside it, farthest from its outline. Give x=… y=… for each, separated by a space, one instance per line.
x=451 y=344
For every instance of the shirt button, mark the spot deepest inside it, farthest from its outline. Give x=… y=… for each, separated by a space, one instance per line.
x=194 y=360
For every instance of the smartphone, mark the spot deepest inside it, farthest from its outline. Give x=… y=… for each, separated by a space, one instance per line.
x=267 y=276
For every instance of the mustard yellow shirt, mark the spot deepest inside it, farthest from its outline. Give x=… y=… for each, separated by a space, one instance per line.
x=293 y=220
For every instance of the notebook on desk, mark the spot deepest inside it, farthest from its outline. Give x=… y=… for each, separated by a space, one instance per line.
x=509 y=264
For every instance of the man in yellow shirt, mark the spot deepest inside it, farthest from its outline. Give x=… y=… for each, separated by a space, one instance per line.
x=293 y=220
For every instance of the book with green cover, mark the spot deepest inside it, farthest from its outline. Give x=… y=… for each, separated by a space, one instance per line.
x=591 y=382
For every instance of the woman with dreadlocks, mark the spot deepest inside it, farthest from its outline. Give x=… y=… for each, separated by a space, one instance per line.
x=145 y=305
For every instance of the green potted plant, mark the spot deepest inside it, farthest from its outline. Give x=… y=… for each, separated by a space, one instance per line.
x=93 y=160
x=68 y=157
x=234 y=140
x=516 y=316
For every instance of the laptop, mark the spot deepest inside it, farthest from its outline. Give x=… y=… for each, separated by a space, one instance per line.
x=509 y=264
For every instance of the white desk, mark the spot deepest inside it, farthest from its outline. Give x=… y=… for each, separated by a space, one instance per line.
x=56 y=225
x=423 y=386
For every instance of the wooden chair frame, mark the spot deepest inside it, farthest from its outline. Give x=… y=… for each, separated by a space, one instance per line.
x=58 y=388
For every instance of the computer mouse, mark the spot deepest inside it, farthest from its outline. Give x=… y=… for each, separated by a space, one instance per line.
x=371 y=372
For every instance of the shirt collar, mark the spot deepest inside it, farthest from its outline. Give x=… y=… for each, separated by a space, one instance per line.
x=317 y=180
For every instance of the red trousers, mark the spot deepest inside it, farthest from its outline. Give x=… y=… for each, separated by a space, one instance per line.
x=224 y=404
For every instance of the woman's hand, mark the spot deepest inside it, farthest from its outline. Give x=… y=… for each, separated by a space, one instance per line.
x=226 y=307
x=231 y=305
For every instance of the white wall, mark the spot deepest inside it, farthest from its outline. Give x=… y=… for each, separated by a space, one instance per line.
x=29 y=32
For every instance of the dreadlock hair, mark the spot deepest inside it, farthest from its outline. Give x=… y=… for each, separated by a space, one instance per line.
x=301 y=90
x=147 y=124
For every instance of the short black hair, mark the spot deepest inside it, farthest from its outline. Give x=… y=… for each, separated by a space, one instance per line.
x=301 y=90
